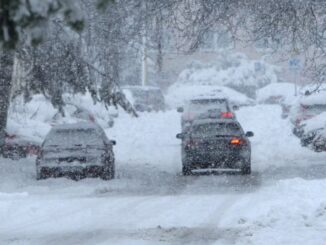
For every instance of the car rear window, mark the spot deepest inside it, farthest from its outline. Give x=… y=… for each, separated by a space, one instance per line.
x=73 y=137
x=216 y=129
x=205 y=104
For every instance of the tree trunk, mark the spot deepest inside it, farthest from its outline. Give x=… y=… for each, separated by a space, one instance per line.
x=6 y=70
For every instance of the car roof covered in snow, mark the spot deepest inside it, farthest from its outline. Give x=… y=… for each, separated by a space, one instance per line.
x=210 y=120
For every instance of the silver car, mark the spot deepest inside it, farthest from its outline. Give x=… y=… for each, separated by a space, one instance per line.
x=76 y=150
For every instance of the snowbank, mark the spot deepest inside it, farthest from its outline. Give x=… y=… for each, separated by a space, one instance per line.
x=292 y=212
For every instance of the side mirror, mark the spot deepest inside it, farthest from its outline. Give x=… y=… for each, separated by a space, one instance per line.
x=180 y=109
x=249 y=134
x=235 y=107
x=180 y=136
x=113 y=142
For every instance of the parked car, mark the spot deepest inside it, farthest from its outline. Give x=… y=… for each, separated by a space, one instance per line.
x=311 y=132
x=205 y=108
x=145 y=98
x=307 y=107
x=301 y=113
x=18 y=146
x=76 y=150
x=318 y=143
x=215 y=145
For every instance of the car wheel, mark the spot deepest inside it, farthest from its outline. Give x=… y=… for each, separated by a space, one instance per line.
x=186 y=171
x=246 y=169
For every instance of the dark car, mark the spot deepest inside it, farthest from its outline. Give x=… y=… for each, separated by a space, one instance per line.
x=76 y=150
x=205 y=108
x=215 y=145
x=17 y=147
x=145 y=98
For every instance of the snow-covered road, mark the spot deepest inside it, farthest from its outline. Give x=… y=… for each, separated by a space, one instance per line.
x=282 y=202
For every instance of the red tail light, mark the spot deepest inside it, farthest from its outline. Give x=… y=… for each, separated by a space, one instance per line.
x=236 y=141
x=227 y=114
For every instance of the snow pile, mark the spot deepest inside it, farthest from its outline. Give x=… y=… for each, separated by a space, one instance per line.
x=179 y=94
x=230 y=69
x=282 y=92
x=291 y=212
x=35 y=118
x=31 y=120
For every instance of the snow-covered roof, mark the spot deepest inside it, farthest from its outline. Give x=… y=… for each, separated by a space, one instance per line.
x=230 y=68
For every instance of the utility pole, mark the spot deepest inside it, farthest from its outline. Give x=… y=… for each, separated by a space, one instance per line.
x=295 y=66
x=144 y=43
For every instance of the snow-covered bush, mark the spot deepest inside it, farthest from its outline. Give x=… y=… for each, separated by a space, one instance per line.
x=179 y=94
x=35 y=118
x=231 y=69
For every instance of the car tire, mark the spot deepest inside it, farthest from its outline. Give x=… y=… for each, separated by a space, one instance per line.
x=246 y=169
x=186 y=170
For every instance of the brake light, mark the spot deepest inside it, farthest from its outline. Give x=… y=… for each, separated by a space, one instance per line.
x=236 y=141
x=227 y=114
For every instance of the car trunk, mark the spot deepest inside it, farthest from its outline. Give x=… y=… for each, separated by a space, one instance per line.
x=78 y=154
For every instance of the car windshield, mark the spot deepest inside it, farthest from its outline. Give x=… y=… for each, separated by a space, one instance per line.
x=72 y=137
x=213 y=129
